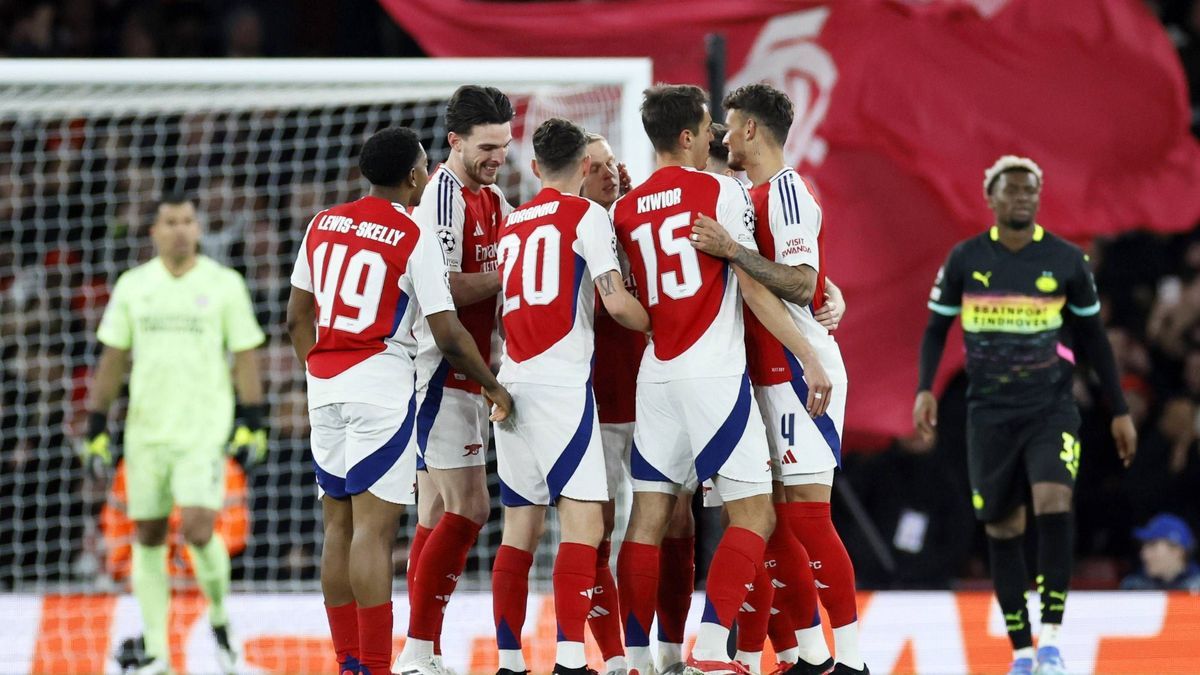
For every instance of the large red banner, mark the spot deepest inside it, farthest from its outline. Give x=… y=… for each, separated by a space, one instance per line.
x=900 y=106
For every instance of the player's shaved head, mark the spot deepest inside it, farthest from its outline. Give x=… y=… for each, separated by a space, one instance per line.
x=559 y=145
x=389 y=156
x=669 y=109
x=472 y=105
x=766 y=105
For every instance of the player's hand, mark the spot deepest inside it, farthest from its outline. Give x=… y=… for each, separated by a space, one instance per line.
x=710 y=237
x=1125 y=435
x=831 y=313
x=95 y=451
x=820 y=387
x=925 y=411
x=249 y=442
x=500 y=402
x=624 y=182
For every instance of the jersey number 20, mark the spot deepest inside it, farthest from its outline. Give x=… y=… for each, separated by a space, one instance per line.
x=541 y=250
x=353 y=289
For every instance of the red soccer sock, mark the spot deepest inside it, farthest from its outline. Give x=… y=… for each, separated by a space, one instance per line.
x=677 y=580
x=605 y=617
x=812 y=525
x=343 y=627
x=442 y=561
x=755 y=613
x=420 y=536
x=510 y=594
x=574 y=576
x=375 y=638
x=738 y=557
x=637 y=587
x=795 y=591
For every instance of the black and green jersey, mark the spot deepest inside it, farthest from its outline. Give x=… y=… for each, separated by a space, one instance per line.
x=1011 y=304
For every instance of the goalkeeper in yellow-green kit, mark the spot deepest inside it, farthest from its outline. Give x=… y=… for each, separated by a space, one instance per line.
x=176 y=319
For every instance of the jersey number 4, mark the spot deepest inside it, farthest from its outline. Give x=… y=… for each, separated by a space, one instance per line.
x=673 y=286
x=360 y=288
x=539 y=266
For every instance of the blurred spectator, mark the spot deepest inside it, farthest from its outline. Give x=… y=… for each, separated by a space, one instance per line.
x=917 y=504
x=1166 y=471
x=1167 y=565
x=243 y=33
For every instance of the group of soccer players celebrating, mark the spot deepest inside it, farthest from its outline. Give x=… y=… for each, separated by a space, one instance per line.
x=625 y=351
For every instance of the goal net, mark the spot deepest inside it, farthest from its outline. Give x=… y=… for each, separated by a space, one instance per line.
x=86 y=149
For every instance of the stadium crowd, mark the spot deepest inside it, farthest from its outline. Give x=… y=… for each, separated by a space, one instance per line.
x=54 y=284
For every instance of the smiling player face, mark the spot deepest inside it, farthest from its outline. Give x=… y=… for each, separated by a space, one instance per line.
x=483 y=151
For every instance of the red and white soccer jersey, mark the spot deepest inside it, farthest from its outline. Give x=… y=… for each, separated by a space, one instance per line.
x=373 y=273
x=789 y=231
x=696 y=417
x=452 y=421
x=551 y=249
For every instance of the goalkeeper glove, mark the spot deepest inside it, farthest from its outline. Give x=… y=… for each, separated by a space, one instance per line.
x=95 y=453
x=249 y=442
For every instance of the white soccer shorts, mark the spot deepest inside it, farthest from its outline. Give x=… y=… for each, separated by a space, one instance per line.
x=552 y=449
x=360 y=447
x=690 y=431
x=452 y=428
x=800 y=445
x=617 y=439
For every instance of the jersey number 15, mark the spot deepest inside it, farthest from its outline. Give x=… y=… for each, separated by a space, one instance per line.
x=673 y=286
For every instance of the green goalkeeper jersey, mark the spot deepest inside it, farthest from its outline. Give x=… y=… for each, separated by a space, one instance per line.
x=180 y=331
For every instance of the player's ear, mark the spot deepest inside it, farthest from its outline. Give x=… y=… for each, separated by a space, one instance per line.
x=685 y=139
x=455 y=141
x=533 y=166
x=751 y=128
x=586 y=163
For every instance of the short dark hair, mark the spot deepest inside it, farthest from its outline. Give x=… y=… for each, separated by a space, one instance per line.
x=668 y=109
x=472 y=105
x=558 y=144
x=766 y=105
x=173 y=198
x=717 y=148
x=389 y=155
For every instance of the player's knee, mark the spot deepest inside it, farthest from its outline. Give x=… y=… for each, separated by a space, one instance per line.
x=151 y=532
x=197 y=532
x=1011 y=525
x=1051 y=498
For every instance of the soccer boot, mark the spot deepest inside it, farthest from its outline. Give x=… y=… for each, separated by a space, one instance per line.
x=803 y=667
x=1050 y=662
x=509 y=671
x=648 y=670
x=697 y=667
x=349 y=666
x=843 y=669
x=426 y=665
x=226 y=656
x=582 y=670
x=617 y=671
x=673 y=669
x=1023 y=666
